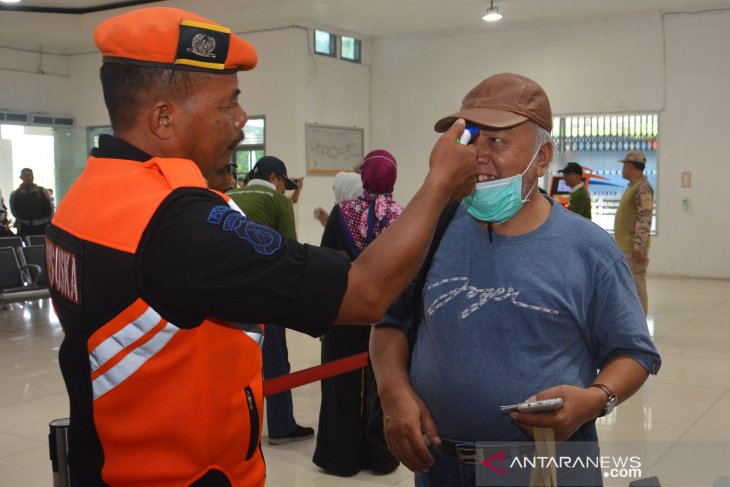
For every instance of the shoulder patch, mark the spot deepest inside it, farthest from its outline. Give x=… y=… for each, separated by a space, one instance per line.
x=263 y=240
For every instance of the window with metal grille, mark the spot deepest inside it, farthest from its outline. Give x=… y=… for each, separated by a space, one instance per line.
x=597 y=142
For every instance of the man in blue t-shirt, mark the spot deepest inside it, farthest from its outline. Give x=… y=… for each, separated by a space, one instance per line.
x=523 y=301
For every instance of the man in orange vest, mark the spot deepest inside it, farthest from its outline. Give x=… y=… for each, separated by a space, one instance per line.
x=160 y=360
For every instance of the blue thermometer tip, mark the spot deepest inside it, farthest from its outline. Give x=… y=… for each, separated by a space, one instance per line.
x=470 y=132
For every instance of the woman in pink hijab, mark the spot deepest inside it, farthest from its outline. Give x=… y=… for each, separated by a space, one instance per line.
x=342 y=446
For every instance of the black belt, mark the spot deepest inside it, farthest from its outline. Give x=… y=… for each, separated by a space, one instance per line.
x=465 y=452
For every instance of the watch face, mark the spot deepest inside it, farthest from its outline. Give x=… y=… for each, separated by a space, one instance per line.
x=610 y=404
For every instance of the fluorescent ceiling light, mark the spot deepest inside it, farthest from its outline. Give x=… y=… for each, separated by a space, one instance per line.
x=492 y=14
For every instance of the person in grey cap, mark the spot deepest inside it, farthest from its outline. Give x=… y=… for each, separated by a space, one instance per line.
x=632 y=224
x=580 y=198
x=514 y=307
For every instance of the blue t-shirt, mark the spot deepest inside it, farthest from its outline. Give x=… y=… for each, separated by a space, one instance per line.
x=506 y=319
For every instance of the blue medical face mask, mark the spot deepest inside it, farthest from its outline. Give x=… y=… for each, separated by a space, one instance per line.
x=499 y=200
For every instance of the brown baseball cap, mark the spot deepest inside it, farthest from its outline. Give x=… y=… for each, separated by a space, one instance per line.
x=634 y=156
x=173 y=38
x=503 y=101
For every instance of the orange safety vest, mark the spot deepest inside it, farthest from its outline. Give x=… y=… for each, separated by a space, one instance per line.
x=152 y=404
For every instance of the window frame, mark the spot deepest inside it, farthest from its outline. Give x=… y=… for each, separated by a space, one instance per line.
x=332 y=47
x=255 y=151
x=357 y=48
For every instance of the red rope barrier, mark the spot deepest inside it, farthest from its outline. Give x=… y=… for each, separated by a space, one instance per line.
x=313 y=374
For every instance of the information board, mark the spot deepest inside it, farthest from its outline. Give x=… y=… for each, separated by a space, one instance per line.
x=332 y=149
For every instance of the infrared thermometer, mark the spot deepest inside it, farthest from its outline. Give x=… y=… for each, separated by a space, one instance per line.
x=470 y=132
x=543 y=406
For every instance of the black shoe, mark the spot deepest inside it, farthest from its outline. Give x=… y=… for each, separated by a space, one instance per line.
x=299 y=433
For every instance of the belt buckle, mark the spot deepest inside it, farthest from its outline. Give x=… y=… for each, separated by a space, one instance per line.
x=466 y=454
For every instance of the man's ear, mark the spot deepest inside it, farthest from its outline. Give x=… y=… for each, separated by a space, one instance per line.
x=543 y=158
x=160 y=118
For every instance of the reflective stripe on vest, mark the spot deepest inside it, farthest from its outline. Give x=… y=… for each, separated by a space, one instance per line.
x=116 y=347
x=254 y=332
x=123 y=338
x=149 y=335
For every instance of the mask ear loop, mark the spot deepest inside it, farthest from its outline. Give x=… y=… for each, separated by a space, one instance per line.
x=532 y=161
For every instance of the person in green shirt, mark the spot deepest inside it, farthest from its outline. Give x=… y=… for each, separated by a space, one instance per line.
x=580 y=198
x=263 y=201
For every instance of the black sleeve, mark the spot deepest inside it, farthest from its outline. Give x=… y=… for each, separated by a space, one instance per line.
x=198 y=257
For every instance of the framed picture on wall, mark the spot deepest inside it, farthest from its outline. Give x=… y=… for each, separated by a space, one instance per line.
x=332 y=149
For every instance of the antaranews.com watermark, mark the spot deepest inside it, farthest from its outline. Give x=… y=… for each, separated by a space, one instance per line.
x=609 y=463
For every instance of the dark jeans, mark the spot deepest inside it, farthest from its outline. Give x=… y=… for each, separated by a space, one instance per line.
x=279 y=408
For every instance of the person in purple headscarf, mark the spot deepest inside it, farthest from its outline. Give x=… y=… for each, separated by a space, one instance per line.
x=342 y=445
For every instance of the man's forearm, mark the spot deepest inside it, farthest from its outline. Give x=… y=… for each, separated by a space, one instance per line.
x=389 y=353
x=623 y=375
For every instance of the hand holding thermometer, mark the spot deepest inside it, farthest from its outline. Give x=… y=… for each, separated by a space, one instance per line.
x=470 y=132
x=543 y=406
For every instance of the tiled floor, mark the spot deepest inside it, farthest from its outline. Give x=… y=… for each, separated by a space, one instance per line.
x=688 y=402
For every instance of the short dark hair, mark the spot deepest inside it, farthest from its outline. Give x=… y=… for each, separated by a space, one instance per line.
x=639 y=165
x=126 y=86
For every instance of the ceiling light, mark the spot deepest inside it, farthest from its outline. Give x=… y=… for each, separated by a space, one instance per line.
x=10 y=1
x=492 y=14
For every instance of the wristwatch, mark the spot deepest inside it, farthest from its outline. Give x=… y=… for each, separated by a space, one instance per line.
x=610 y=403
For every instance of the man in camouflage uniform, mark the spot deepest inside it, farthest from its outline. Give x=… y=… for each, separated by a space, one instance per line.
x=633 y=220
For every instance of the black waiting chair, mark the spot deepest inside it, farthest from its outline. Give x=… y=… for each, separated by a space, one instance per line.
x=35 y=240
x=13 y=242
x=19 y=282
x=35 y=255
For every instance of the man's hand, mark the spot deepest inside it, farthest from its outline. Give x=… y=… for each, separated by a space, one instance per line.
x=579 y=406
x=453 y=165
x=300 y=185
x=406 y=419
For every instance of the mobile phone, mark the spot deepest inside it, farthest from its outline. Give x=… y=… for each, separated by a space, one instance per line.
x=544 y=406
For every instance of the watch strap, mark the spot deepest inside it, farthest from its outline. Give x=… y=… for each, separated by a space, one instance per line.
x=612 y=398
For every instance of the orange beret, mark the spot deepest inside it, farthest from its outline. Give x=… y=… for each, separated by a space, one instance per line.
x=175 y=39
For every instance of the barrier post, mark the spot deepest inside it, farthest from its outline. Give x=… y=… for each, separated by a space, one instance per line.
x=58 y=446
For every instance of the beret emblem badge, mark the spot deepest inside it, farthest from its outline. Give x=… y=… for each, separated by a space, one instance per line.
x=203 y=45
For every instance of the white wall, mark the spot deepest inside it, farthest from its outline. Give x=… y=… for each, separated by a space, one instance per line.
x=34 y=82
x=694 y=137
x=608 y=65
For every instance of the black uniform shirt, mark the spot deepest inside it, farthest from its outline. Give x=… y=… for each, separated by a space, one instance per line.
x=200 y=258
